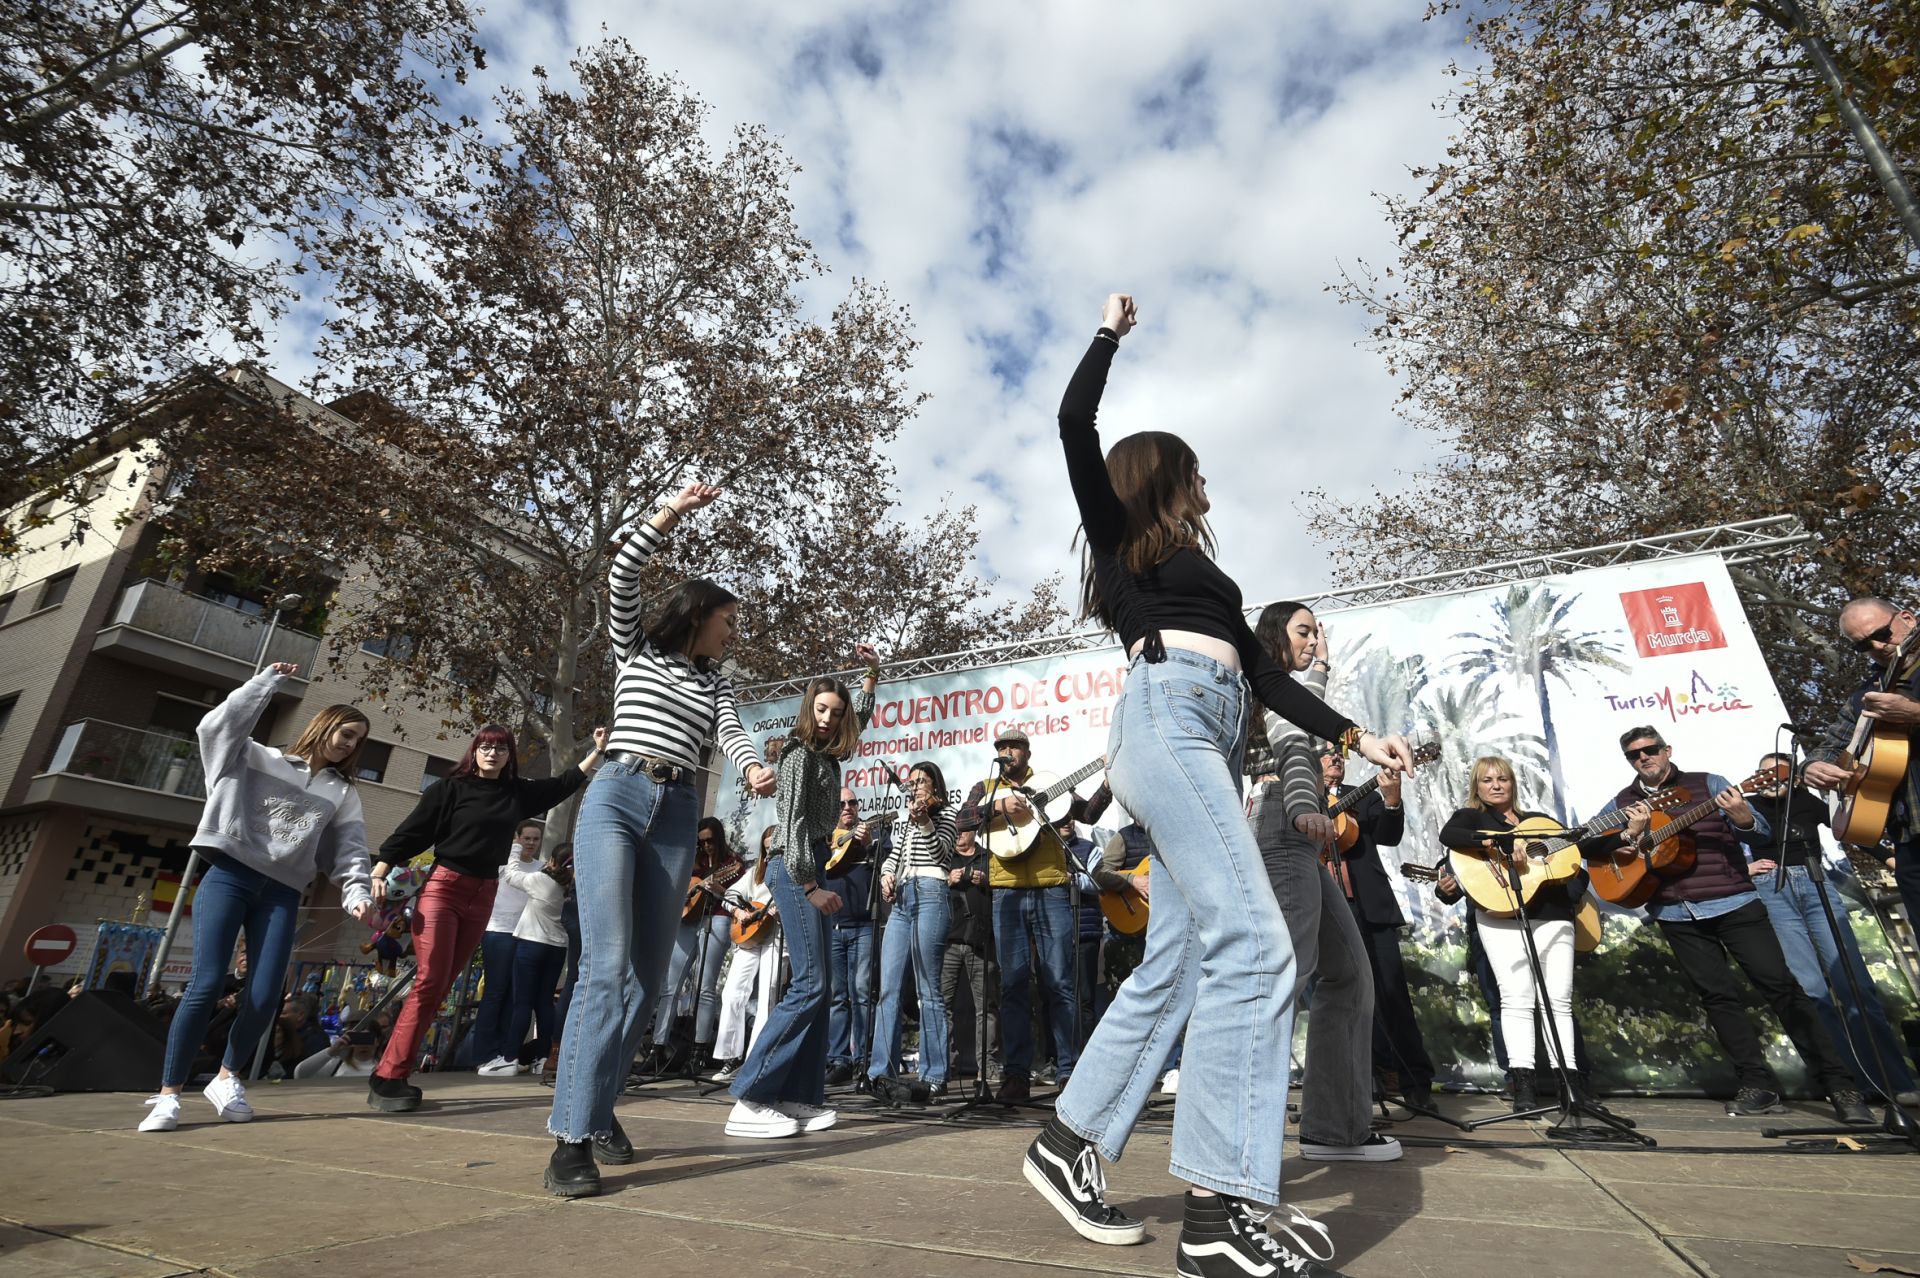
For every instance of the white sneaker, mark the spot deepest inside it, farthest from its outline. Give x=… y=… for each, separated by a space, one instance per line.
x=165 y=1114
x=1376 y=1148
x=1170 y=1081
x=229 y=1099
x=812 y=1118
x=725 y=1073
x=497 y=1067
x=761 y=1121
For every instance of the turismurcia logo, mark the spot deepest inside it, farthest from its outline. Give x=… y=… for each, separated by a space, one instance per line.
x=1697 y=697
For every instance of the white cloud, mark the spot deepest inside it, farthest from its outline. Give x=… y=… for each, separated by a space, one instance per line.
x=1219 y=160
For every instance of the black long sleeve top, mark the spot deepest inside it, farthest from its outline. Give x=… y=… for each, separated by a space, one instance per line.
x=1550 y=902
x=469 y=821
x=1186 y=591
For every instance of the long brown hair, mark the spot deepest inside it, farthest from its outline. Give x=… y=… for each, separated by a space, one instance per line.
x=1156 y=476
x=311 y=744
x=1271 y=630
x=846 y=737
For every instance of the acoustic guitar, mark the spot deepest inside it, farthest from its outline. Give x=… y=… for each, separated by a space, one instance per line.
x=713 y=884
x=1346 y=830
x=1877 y=757
x=1500 y=888
x=1630 y=876
x=1589 y=925
x=843 y=845
x=1011 y=840
x=1126 y=910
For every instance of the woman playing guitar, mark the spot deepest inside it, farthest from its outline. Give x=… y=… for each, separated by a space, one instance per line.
x=1491 y=805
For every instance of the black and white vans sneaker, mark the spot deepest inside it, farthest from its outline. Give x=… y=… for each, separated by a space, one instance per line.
x=1066 y=1171
x=1225 y=1237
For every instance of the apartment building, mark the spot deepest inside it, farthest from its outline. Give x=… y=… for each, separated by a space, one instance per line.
x=107 y=663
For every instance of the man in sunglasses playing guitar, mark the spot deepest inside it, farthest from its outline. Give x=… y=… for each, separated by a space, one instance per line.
x=1030 y=905
x=1710 y=914
x=1871 y=753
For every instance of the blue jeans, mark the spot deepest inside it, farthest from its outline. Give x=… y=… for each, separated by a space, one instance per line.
x=536 y=970
x=678 y=996
x=1045 y=917
x=1815 y=961
x=233 y=898
x=788 y=1060
x=1218 y=960
x=632 y=860
x=490 y=1038
x=850 y=959
x=916 y=932
x=570 y=919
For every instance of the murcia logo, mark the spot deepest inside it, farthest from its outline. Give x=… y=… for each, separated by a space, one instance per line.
x=1672 y=619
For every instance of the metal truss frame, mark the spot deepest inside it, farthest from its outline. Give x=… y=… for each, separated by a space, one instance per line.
x=1744 y=542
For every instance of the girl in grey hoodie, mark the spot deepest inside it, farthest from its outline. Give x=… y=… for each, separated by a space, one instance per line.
x=273 y=819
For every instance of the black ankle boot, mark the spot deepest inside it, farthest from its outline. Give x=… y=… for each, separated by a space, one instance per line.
x=570 y=1172
x=613 y=1147
x=394 y=1095
x=1524 y=1097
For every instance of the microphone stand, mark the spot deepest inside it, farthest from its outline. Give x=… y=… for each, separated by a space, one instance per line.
x=1573 y=1103
x=1896 y=1127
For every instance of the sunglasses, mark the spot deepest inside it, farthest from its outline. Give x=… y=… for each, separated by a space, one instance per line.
x=704 y=838
x=1643 y=752
x=1865 y=642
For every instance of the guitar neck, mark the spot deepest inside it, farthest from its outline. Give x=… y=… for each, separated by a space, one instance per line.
x=1069 y=781
x=1353 y=796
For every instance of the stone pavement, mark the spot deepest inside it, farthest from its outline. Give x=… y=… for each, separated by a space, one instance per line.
x=320 y=1184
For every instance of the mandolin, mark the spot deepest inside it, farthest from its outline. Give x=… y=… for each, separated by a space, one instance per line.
x=844 y=847
x=710 y=885
x=1877 y=757
x=1632 y=874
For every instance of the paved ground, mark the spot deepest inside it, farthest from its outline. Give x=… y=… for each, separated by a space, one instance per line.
x=319 y=1184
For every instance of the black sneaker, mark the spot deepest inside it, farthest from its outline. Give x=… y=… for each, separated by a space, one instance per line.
x=891 y=1091
x=1225 y=1237
x=394 y=1095
x=1850 y=1107
x=1066 y=1171
x=1751 y=1102
x=839 y=1075
x=613 y=1147
x=570 y=1172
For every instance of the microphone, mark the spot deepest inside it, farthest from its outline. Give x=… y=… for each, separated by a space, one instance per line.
x=1003 y=762
x=1804 y=729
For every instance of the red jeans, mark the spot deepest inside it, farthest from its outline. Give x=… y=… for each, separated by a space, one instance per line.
x=448 y=921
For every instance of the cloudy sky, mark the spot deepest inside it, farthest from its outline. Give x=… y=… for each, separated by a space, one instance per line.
x=1001 y=167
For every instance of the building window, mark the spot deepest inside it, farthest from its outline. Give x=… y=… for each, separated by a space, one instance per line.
x=176 y=716
x=229 y=593
x=6 y=605
x=53 y=591
x=7 y=703
x=41 y=510
x=374 y=758
x=392 y=647
x=436 y=770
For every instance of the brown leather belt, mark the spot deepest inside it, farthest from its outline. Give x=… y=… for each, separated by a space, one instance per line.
x=653 y=769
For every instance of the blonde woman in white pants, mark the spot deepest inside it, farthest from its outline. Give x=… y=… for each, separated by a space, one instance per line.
x=752 y=973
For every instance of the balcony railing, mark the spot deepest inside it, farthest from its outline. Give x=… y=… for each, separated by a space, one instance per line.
x=156 y=761
x=161 y=609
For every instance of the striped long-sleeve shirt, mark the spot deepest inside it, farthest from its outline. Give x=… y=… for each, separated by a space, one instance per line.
x=928 y=846
x=663 y=707
x=1299 y=790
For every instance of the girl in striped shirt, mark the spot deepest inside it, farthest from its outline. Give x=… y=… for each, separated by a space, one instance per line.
x=782 y=1087
x=634 y=840
x=914 y=878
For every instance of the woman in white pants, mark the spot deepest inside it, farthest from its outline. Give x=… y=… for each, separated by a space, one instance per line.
x=1491 y=804
x=752 y=969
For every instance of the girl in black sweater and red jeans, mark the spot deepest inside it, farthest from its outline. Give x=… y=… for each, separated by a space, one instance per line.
x=468 y=820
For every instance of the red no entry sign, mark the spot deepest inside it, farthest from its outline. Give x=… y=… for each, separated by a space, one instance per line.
x=51 y=944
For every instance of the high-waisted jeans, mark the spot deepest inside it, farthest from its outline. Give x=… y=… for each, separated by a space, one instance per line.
x=632 y=860
x=231 y=899
x=788 y=1059
x=1218 y=960
x=915 y=934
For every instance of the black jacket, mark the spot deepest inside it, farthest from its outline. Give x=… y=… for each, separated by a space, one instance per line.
x=1376 y=903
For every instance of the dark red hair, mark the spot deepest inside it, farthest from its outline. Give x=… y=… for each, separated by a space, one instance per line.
x=491 y=734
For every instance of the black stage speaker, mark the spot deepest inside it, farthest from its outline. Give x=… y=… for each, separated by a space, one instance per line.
x=102 y=1041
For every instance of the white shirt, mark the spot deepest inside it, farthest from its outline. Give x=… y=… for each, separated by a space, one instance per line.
x=510 y=898
x=540 y=920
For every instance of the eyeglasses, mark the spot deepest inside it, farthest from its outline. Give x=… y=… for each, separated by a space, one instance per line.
x=849 y=803
x=490 y=747
x=1883 y=635
x=1643 y=752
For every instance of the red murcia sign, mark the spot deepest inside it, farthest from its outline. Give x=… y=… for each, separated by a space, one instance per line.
x=1672 y=619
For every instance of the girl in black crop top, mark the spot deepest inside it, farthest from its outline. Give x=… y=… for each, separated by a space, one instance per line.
x=1219 y=966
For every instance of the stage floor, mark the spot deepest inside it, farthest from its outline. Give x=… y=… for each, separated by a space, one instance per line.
x=320 y=1184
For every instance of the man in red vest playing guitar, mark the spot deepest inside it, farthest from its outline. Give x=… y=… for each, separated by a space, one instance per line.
x=1890 y=699
x=1710 y=914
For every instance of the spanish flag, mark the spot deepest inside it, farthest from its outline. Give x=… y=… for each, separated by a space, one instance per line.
x=166 y=888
